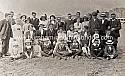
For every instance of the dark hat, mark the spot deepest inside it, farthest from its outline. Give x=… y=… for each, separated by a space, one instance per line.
x=94 y=14
x=113 y=14
x=33 y=12
x=96 y=29
x=6 y=14
x=103 y=15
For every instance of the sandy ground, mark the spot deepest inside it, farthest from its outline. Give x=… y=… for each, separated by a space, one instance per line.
x=72 y=67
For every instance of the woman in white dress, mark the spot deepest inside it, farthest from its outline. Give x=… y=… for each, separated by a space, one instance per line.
x=17 y=41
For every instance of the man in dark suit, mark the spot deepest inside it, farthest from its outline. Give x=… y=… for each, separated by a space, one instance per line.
x=104 y=24
x=12 y=19
x=115 y=26
x=5 y=33
x=94 y=23
x=69 y=22
x=60 y=24
x=78 y=17
x=35 y=21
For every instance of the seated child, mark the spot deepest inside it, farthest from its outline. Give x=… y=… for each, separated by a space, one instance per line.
x=46 y=47
x=75 y=48
x=95 y=48
x=28 y=49
x=86 y=50
x=37 y=48
x=61 y=49
x=109 y=50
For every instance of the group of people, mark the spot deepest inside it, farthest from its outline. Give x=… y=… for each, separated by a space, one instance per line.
x=94 y=35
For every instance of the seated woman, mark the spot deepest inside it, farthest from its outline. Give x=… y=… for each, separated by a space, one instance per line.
x=61 y=49
x=76 y=48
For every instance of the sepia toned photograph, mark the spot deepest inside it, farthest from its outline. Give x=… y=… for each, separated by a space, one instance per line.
x=62 y=37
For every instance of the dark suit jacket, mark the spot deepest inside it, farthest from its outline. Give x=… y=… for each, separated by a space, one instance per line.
x=104 y=26
x=68 y=23
x=81 y=20
x=117 y=25
x=61 y=24
x=94 y=25
x=35 y=23
x=51 y=33
x=38 y=33
x=5 y=29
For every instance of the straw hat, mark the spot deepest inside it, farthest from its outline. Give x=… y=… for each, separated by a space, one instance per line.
x=109 y=42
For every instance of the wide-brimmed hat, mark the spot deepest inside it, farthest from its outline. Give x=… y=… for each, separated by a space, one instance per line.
x=109 y=42
x=103 y=15
x=113 y=14
x=94 y=13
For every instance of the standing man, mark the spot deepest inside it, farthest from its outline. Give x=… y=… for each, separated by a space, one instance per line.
x=12 y=19
x=94 y=23
x=68 y=22
x=60 y=24
x=104 y=24
x=5 y=33
x=115 y=26
x=78 y=17
x=35 y=21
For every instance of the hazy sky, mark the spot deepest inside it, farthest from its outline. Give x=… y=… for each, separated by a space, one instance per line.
x=58 y=6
